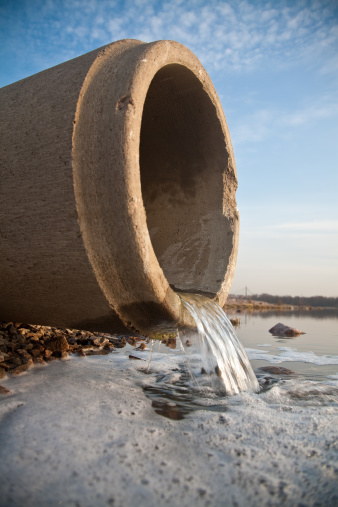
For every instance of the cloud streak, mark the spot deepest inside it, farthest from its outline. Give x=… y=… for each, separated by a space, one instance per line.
x=264 y=123
x=313 y=226
x=236 y=35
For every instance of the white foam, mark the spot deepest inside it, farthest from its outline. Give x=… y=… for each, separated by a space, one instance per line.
x=289 y=354
x=255 y=351
x=86 y=424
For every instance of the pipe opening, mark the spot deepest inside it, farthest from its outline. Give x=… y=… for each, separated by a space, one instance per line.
x=183 y=160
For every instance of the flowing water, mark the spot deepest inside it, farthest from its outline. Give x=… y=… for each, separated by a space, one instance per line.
x=212 y=346
x=212 y=361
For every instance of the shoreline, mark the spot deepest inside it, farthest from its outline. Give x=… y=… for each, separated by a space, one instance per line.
x=241 y=304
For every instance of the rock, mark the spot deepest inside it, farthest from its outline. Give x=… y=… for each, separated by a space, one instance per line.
x=2 y=372
x=3 y=390
x=57 y=344
x=277 y=370
x=36 y=352
x=235 y=322
x=100 y=341
x=24 y=354
x=86 y=345
x=33 y=338
x=6 y=366
x=171 y=343
x=12 y=330
x=119 y=343
x=51 y=358
x=36 y=335
x=23 y=330
x=19 y=340
x=282 y=330
x=39 y=360
x=142 y=346
x=22 y=368
x=109 y=346
x=74 y=348
x=97 y=352
x=4 y=357
x=38 y=349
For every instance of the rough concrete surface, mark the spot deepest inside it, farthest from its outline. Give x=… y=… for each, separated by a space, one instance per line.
x=118 y=185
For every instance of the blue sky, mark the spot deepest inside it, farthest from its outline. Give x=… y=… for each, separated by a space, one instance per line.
x=275 y=67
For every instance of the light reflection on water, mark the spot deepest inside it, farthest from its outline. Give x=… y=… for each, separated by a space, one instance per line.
x=321 y=338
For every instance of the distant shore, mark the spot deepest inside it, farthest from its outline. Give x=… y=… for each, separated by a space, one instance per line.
x=272 y=302
x=249 y=305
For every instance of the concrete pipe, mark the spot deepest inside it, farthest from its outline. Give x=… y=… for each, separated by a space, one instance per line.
x=118 y=186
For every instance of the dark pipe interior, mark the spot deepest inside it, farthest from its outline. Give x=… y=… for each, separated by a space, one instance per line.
x=183 y=160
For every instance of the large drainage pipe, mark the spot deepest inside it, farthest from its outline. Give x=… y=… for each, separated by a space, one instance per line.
x=118 y=186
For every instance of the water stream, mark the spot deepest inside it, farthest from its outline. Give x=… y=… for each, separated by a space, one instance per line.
x=177 y=386
x=213 y=350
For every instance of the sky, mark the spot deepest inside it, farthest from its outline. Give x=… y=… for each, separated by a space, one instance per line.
x=274 y=65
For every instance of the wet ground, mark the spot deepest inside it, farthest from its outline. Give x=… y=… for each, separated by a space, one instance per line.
x=111 y=430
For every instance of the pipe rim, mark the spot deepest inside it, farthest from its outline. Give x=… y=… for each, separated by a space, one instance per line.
x=149 y=298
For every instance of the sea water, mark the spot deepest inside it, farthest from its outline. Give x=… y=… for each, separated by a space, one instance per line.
x=193 y=383
x=212 y=346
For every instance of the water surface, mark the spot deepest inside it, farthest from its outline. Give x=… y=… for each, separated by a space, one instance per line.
x=90 y=431
x=312 y=355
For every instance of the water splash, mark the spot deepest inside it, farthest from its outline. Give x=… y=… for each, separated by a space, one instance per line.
x=212 y=338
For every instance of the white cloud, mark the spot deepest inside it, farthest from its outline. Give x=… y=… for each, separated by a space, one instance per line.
x=224 y=34
x=313 y=238
x=313 y=112
x=264 y=123
x=315 y=226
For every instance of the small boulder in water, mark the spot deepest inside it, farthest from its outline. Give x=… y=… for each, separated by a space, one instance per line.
x=277 y=370
x=235 y=322
x=282 y=330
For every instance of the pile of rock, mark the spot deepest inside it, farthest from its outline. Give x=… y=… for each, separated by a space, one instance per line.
x=23 y=345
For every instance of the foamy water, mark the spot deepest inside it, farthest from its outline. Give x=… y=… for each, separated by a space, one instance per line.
x=109 y=430
x=290 y=354
x=90 y=431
